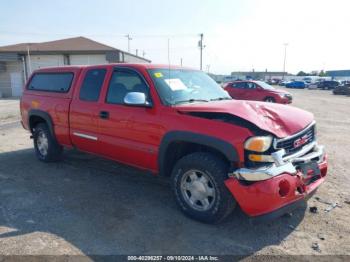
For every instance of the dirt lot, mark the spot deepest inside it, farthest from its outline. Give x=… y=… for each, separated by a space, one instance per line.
x=87 y=205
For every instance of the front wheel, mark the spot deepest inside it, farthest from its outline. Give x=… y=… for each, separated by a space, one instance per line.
x=198 y=183
x=46 y=147
x=269 y=100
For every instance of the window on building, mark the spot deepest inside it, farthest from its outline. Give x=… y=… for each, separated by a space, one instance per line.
x=92 y=85
x=51 y=82
x=123 y=82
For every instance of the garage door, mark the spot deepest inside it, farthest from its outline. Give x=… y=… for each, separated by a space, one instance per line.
x=40 y=61
x=87 y=59
x=16 y=83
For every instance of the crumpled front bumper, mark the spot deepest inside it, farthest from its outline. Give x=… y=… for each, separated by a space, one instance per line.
x=271 y=189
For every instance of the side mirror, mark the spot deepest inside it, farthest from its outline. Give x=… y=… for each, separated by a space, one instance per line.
x=136 y=99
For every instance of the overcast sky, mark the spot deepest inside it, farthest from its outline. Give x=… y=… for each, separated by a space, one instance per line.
x=238 y=34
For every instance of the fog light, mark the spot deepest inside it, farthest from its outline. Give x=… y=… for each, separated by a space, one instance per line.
x=284 y=188
x=260 y=158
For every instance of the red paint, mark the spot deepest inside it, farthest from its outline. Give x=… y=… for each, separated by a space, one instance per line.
x=264 y=197
x=280 y=120
x=132 y=135
x=256 y=94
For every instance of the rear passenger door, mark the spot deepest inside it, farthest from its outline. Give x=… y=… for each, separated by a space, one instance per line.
x=85 y=109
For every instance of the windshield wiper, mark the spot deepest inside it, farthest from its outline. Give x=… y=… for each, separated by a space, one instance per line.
x=221 y=98
x=192 y=100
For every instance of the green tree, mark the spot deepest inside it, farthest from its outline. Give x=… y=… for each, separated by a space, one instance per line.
x=302 y=73
x=322 y=73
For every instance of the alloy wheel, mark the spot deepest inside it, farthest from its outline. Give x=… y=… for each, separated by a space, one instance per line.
x=198 y=190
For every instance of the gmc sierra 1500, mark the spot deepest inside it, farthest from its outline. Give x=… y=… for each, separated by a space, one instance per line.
x=179 y=123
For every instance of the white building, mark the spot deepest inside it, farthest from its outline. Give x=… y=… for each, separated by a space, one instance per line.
x=19 y=60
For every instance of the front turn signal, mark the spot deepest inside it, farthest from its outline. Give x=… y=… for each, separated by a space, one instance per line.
x=258 y=143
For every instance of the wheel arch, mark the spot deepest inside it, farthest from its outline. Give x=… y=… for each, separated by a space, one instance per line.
x=36 y=116
x=176 y=144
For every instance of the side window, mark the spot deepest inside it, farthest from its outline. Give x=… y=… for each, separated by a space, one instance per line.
x=51 y=82
x=250 y=85
x=240 y=85
x=123 y=82
x=91 y=87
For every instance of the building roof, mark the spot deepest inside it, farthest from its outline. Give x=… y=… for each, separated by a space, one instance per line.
x=70 y=45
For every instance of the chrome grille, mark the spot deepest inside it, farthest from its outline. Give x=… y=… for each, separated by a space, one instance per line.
x=296 y=142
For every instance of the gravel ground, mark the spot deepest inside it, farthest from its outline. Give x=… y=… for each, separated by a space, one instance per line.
x=9 y=110
x=86 y=205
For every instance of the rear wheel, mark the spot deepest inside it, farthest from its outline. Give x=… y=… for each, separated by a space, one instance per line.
x=198 y=183
x=270 y=100
x=46 y=147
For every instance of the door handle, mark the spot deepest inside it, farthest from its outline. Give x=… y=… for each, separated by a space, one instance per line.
x=104 y=114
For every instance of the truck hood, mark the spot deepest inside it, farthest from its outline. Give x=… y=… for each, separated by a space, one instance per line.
x=280 y=120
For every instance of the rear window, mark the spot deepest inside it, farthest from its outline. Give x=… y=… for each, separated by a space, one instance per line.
x=51 y=82
x=91 y=88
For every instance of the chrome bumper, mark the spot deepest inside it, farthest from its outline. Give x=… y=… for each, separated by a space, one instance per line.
x=281 y=164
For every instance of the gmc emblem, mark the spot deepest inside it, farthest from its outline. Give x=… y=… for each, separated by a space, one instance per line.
x=301 y=141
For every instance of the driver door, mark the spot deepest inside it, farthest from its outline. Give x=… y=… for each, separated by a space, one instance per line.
x=128 y=133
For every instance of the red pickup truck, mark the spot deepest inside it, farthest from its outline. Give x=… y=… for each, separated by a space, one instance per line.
x=178 y=123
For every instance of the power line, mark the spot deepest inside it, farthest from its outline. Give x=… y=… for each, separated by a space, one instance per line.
x=100 y=35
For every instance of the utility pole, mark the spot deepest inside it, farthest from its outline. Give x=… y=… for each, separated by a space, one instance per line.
x=29 y=60
x=129 y=39
x=208 y=68
x=181 y=61
x=201 y=47
x=137 y=52
x=284 y=61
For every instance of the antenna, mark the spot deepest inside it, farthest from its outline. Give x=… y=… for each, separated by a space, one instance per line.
x=169 y=57
x=169 y=52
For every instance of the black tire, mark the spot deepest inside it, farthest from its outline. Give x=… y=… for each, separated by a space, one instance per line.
x=216 y=170
x=270 y=99
x=53 y=150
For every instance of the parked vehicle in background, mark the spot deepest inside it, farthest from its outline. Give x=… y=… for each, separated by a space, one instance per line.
x=308 y=80
x=344 y=82
x=328 y=84
x=342 y=89
x=178 y=123
x=297 y=84
x=313 y=85
x=257 y=91
x=274 y=81
x=283 y=83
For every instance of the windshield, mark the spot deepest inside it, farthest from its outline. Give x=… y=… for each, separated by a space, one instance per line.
x=178 y=86
x=264 y=85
